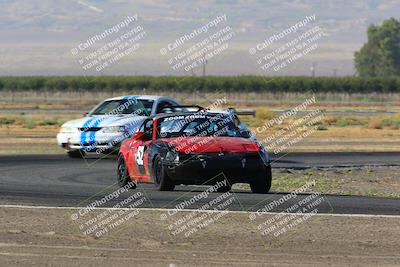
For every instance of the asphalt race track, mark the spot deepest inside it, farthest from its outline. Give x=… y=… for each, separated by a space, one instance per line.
x=56 y=180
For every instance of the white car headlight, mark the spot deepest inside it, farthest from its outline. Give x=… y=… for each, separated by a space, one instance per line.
x=113 y=129
x=68 y=130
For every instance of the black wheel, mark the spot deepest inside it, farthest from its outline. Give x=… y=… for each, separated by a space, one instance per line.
x=76 y=153
x=262 y=185
x=123 y=175
x=160 y=177
x=224 y=189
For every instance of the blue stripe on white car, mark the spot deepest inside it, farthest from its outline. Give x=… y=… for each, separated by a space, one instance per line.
x=92 y=135
x=83 y=133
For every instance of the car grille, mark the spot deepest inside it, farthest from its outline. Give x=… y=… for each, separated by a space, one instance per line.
x=89 y=129
x=222 y=156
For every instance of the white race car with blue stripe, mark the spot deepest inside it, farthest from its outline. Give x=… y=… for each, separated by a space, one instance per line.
x=109 y=123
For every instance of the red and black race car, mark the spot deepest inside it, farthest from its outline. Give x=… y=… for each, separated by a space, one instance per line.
x=201 y=147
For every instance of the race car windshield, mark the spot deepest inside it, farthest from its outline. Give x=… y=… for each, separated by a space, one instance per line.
x=137 y=107
x=186 y=126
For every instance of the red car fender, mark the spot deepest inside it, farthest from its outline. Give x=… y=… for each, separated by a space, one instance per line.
x=125 y=151
x=128 y=150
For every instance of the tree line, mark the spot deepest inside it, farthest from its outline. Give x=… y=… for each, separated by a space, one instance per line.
x=205 y=84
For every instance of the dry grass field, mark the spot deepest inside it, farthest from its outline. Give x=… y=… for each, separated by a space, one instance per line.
x=29 y=121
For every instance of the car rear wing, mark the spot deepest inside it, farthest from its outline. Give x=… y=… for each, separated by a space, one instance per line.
x=243 y=112
x=182 y=108
x=197 y=108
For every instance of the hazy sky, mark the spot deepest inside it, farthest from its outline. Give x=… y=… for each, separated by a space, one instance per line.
x=38 y=37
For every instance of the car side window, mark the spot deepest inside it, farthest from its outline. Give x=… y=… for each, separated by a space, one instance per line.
x=163 y=105
x=141 y=128
x=148 y=129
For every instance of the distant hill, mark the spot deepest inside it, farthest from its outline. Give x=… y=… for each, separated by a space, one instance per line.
x=37 y=35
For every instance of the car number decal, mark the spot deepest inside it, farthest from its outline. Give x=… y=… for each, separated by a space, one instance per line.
x=139 y=155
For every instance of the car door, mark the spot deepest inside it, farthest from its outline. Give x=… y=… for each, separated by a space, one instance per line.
x=140 y=149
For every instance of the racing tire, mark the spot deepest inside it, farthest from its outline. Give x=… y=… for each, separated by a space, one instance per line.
x=123 y=175
x=76 y=154
x=262 y=185
x=161 y=180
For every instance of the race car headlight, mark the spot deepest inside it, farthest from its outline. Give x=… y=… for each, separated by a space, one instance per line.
x=172 y=157
x=68 y=130
x=264 y=154
x=113 y=129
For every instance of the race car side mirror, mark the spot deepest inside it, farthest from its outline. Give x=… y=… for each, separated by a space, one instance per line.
x=139 y=136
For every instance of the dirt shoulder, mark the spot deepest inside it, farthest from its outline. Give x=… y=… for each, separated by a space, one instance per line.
x=372 y=181
x=48 y=237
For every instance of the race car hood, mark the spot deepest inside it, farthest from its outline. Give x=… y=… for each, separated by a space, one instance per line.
x=212 y=144
x=106 y=121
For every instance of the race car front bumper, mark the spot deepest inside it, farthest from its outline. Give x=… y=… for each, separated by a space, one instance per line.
x=207 y=168
x=103 y=143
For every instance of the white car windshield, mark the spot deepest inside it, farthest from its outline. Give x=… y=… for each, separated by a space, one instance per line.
x=139 y=107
